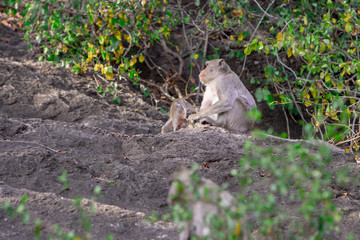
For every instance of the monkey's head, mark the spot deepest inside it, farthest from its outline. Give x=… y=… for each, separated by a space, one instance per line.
x=213 y=69
x=180 y=181
x=177 y=110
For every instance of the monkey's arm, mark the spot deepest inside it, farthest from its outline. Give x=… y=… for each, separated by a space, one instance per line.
x=226 y=98
x=207 y=100
x=167 y=126
x=217 y=108
x=187 y=107
x=245 y=97
x=247 y=101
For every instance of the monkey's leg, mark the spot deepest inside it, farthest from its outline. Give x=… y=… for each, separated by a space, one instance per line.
x=182 y=123
x=202 y=211
x=167 y=126
x=185 y=230
x=175 y=124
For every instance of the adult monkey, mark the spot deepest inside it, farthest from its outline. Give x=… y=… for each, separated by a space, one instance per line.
x=226 y=99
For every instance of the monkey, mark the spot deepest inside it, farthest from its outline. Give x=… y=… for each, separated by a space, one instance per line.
x=226 y=100
x=211 y=201
x=179 y=111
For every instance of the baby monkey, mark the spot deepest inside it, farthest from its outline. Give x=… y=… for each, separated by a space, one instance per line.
x=179 y=111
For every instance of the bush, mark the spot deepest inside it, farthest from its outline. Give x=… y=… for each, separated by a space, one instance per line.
x=295 y=200
x=322 y=38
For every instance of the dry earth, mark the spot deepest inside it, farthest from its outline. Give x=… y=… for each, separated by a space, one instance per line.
x=53 y=121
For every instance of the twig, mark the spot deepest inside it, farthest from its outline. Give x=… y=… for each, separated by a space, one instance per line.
x=95 y=80
x=286 y=118
x=35 y=143
x=291 y=93
x=285 y=66
x=155 y=66
x=168 y=50
x=130 y=44
x=287 y=122
x=265 y=12
x=205 y=52
x=286 y=25
x=193 y=23
x=353 y=128
x=158 y=87
x=191 y=50
x=357 y=48
x=178 y=92
x=104 y=79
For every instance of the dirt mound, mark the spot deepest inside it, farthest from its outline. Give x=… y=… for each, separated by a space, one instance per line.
x=52 y=121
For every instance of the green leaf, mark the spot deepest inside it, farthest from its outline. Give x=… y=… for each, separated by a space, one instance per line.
x=247 y=50
x=146 y=92
x=24 y=198
x=255 y=41
x=7 y=206
x=348 y=27
x=162 y=110
x=169 y=13
x=77 y=201
x=21 y=208
x=131 y=75
x=25 y=218
x=261 y=46
x=91 y=18
x=231 y=54
x=117 y=100
x=97 y=189
x=101 y=39
x=330 y=4
x=269 y=70
x=121 y=22
x=259 y=95
x=138 y=24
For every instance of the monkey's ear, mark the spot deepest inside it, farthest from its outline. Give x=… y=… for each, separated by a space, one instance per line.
x=221 y=62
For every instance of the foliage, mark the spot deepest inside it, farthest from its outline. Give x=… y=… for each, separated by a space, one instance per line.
x=323 y=38
x=113 y=36
x=63 y=179
x=304 y=185
x=57 y=233
x=189 y=194
x=20 y=210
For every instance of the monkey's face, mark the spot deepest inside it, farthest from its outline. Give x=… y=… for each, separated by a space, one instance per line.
x=177 y=111
x=213 y=69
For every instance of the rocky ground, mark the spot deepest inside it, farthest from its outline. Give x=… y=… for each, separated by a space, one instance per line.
x=53 y=121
